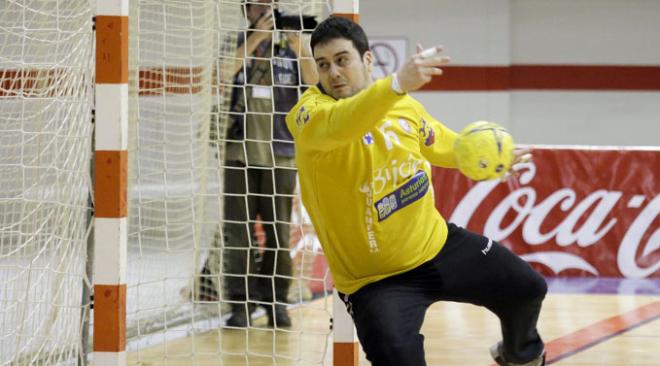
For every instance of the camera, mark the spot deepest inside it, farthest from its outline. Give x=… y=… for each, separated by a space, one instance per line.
x=306 y=23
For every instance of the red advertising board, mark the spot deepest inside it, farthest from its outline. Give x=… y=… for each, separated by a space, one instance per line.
x=592 y=212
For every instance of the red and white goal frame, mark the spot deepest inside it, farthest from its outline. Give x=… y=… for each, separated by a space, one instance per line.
x=111 y=181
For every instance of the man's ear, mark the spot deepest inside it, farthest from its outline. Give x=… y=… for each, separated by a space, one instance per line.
x=368 y=60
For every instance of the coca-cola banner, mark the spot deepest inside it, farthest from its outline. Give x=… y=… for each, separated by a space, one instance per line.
x=591 y=212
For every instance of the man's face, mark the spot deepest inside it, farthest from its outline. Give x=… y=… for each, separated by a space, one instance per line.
x=342 y=71
x=256 y=11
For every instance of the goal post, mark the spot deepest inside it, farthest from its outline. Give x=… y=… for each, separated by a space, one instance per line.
x=345 y=342
x=110 y=183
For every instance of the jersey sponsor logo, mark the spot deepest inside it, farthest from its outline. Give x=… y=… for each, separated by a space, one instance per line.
x=430 y=139
x=411 y=191
x=302 y=117
x=486 y=249
x=395 y=173
x=427 y=133
x=368 y=139
x=368 y=218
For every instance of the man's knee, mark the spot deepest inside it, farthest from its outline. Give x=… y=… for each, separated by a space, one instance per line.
x=395 y=350
x=536 y=288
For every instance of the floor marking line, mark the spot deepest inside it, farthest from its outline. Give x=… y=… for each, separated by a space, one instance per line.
x=601 y=331
x=592 y=335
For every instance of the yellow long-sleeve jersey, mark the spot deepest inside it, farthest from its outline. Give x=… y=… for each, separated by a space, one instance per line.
x=364 y=164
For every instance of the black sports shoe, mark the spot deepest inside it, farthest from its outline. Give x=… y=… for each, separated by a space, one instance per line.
x=239 y=318
x=497 y=355
x=278 y=319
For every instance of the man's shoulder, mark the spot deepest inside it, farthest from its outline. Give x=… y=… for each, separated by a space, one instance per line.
x=307 y=100
x=314 y=95
x=308 y=103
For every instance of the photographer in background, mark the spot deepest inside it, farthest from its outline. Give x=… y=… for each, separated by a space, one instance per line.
x=260 y=175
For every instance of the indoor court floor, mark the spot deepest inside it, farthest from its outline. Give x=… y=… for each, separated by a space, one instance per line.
x=584 y=322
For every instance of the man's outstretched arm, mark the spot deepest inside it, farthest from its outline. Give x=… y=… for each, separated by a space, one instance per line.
x=319 y=123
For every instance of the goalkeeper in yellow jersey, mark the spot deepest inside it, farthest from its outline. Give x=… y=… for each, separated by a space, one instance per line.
x=364 y=150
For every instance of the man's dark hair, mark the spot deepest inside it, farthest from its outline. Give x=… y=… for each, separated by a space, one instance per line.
x=337 y=27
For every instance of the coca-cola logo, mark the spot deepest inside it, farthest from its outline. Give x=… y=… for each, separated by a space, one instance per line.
x=580 y=220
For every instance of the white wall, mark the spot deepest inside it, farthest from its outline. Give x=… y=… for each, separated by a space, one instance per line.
x=597 y=32
x=539 y=32
x=599 y=118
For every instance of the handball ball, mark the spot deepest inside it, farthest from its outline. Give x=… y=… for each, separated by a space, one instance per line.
x=484 y=150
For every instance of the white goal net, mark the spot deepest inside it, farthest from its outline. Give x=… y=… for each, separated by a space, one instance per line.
x=46 y=96
x=181 y=84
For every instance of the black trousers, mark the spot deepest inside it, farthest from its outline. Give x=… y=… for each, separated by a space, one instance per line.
x=268 y=193
x=388 y=314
